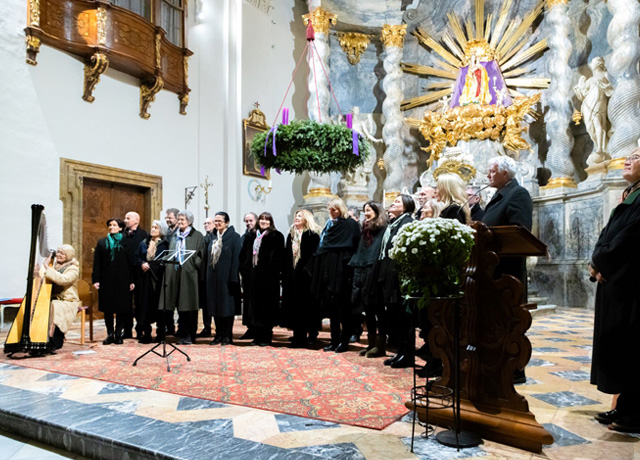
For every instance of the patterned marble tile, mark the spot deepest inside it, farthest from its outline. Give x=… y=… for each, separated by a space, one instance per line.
x=117 y=388
x=430 y=449
x=289 y=423
x=529 y=381
x=539 y=362
x=57 y=377
x=574 y=376
x=342 y=451
x=546 y=350
x=565 y=399
x=579 y=359
x=187 y=403
x=556 y=339
x=562 y=437
x=221 y=426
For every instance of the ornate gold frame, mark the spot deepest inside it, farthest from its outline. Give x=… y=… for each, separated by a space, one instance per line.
x=72 y=175
x=256 y=123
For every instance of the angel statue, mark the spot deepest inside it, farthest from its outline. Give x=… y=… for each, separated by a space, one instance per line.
x=594 y=94
x=363 y=124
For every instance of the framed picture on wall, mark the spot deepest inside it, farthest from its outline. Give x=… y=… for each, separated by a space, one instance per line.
x=255 y=124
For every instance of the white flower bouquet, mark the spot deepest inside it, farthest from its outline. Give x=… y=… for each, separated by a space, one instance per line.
x=431 y=255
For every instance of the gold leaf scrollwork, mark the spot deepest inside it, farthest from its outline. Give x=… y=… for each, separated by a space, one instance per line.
x=34 y=13
x=148 y=95
x=99 y=64
x=184 y=101
x=393 y=36
x=101 y=25
x=33 y=47
x=158 y=44
x=552 y=3
x=475 y=121
x=466 y=171
x=353 y=44
x=321 y=20
x=185 y=63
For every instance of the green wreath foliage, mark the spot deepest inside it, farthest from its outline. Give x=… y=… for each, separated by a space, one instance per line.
x=305 y=145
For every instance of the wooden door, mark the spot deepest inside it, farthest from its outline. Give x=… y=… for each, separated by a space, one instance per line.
x=105 y=200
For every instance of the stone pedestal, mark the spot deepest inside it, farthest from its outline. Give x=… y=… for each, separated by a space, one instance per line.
x=317 y=200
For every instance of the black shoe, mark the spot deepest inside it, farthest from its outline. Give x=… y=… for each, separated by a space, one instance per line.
x=145 y=339
x=297 y=343
x=247 y=335
x=608 y=417
x=185 y=341
x=118 y=340
x=217 y=340
x=330 y=348
x=127 y=335
x=389 y=361
x=313 y=336
x=226 y=341
x=403 y=362
x=264 y=344
x=342 y=348
x=629 y=424
x=354 y=338
x=430 y=371
x=205 y=333
x=109 y=340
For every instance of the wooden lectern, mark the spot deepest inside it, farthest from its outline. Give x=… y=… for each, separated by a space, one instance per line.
x=493 y=344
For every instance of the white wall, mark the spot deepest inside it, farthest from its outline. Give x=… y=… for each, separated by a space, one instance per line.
x=241 y=55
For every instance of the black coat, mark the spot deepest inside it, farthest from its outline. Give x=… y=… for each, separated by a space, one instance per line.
x=454 y=211
x=149 y=282
x=383 y=285
x=477 y=213
x=298 y=306
x=511 y=205
x=114 y=276
x=222 y=281
x=616 y=349
x=262 y=283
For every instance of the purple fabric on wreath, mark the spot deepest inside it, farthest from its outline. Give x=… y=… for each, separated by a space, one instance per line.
x=355 y=142
x=493 y=70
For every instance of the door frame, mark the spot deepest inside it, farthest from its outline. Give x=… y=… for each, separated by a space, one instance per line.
x=72 y=175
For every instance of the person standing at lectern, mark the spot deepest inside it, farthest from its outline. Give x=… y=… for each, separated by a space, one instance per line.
x=614 y=265
x=511 y=205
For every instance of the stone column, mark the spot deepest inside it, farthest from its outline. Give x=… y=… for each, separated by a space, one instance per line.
x=393 y=41
x=624 y=111
x=318 y=104
x=559 y=133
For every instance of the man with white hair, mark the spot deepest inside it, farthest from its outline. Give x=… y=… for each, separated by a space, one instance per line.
x=511 y=205
x=133 y=235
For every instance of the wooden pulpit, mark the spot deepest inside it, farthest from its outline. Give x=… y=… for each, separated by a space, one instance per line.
x=493 y=322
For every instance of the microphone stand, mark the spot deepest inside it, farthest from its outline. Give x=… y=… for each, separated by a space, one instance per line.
x=469 y=200
x=163 y=342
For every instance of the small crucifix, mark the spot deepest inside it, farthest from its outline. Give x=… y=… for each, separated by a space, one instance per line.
x=256 y=105
x=206 y=186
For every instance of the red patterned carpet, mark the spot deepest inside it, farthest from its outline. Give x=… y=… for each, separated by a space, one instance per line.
x=341 y=388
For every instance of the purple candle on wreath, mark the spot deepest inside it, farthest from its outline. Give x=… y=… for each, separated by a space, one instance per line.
x=285 y=116
x=349 y=120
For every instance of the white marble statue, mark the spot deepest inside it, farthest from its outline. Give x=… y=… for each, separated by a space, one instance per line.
x=594 y=93
x=363 y=124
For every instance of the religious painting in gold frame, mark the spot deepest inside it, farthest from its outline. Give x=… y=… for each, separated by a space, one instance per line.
x=255 y=124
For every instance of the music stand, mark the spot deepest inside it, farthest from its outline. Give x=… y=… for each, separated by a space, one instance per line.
x=170 y=258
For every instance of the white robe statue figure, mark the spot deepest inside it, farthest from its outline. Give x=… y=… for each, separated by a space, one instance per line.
x=354 y=185
x=594 y=94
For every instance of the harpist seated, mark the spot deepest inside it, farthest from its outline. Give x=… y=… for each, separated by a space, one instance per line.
x=64 y=276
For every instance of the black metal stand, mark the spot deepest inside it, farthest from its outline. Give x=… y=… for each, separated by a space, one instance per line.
x=456 y=437
x=163 y=342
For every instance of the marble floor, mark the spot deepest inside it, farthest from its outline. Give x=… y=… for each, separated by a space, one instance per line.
x=168 y=425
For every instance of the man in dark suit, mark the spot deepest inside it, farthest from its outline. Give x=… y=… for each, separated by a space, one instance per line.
x=511 y=205
x=133 y=235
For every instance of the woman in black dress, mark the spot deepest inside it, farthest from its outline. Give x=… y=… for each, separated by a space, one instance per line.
x=150 y=280
x=332 y=277
x=222 y=257
x=298 y=312
x=113 y=278
x=384 y=285
x=261 y=261
x=452 y=194
x=375 y=222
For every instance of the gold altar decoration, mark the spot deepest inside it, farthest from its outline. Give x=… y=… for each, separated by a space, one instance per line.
x=353 y=44
x=576 y=117
x=552 y=3
x=560 y=182
x=477 y=75
x=393 y=36
x=466 y=171
x=321 y=20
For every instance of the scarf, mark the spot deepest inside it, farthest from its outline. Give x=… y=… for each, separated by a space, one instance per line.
x=152 y=248
x=256 y=245
x=60 y=268
x=295 y=246
x=387 y=234
x=629 y=190
x=326 y=228
x=181 y=245
x=114 y=244
x=216 y=249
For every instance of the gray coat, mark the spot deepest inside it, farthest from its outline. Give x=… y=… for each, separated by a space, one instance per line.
x=182 y=281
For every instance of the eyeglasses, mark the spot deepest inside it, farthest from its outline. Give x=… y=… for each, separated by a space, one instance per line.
x=633 y=158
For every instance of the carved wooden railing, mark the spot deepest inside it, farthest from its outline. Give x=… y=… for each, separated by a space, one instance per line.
x=103 y=35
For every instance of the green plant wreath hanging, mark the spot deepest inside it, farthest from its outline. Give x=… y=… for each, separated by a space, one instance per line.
x=306 y=145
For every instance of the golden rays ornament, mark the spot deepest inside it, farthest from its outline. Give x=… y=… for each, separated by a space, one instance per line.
x=478 y=77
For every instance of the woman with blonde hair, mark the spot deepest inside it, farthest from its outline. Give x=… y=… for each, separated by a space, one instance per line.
x=332 y=277
x=452 y=193
x=431 y=209
x=298 y=312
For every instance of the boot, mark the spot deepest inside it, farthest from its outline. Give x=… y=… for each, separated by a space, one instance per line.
x=371 y=338
x=379 y=350
x=109 y=340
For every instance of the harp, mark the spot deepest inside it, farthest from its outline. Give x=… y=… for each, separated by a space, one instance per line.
x=29 y=333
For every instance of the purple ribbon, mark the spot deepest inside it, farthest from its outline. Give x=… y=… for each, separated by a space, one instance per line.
x=349 y=120
x=285 y=116
x=355 y=142
x=273 y=145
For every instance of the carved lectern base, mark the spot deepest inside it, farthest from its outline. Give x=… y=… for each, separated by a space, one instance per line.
x=517 y=429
